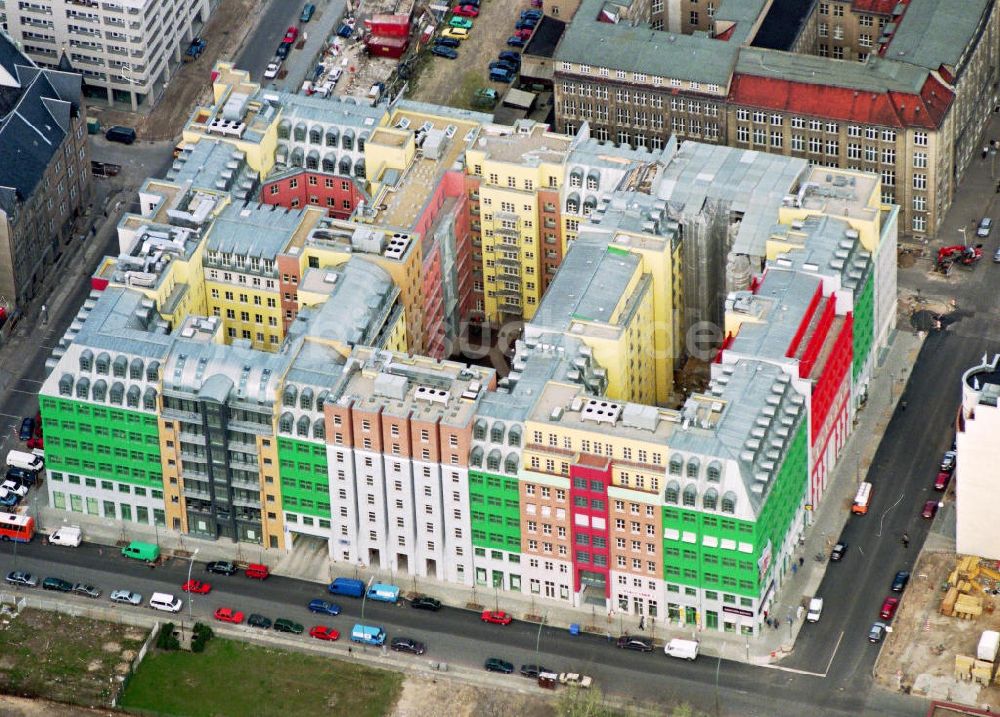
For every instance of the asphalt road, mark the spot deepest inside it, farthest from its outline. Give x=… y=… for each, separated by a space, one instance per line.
x=261 y=45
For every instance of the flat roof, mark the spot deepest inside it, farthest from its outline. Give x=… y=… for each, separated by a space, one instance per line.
x=932 y=33
x=546 y=37
x=783 y=23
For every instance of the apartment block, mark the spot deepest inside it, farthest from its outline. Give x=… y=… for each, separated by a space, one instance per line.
x=976 y=530
x=45 y=179
x=126 y=50
x=899 y=89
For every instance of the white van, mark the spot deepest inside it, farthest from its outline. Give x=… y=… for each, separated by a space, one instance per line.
x=165 y=602
x=69 y=535
x=815 y=610
x=27 y=461
x=686 y=649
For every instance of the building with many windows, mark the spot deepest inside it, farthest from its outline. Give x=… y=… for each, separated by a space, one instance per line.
x=125 y=50
x=579 y=477
x=899 y=89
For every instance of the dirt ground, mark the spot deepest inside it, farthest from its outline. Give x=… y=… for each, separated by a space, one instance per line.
x=919 y=655
x=423 y=697
x=225 y=31
x=453 y=82
x=21 y=707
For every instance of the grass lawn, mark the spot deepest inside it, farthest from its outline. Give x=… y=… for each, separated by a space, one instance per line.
x=234 y=678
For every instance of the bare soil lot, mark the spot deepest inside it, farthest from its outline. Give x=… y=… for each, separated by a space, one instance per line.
x=453 y=82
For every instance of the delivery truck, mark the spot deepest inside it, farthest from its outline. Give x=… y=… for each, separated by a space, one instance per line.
x=68 y=535
x=684 y=649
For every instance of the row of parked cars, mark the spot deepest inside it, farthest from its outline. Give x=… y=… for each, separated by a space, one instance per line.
x=456 y=30
x=21 y=473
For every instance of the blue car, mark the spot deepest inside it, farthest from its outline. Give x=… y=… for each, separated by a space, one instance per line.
x=503 y=65
x=535 y=15
x=324 y=607
x=527 y=24
x=27 y=428
x=515 y=41
x=442 y=51
x=513 y=57
x=9 y=500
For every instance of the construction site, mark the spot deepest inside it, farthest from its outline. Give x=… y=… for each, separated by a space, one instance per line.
x=945 y=638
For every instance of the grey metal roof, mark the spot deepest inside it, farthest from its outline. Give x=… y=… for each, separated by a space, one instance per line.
x=784 y=295
x=362 y=295
x=316 y=364
x=641 y=49
x=123 y=321
x=212 y=164
x=223 y=373
x=934 y=33
x=876 y=75
x=831 y=248
x=254 y=230
x=335 y=109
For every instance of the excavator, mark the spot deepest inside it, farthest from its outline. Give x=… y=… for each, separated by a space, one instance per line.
x=966 y=255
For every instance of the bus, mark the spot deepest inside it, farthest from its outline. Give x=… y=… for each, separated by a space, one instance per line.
x=17 y=527
x=862 y=499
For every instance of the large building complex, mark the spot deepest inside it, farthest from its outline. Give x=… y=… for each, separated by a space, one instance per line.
x=277 y=375
x=901 y=89
x=125 y=50
x=45 y=175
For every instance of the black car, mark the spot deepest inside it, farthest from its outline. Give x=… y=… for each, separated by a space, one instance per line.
x=442 y=51
x=495 y=664
x=838 y=551
x=899 y=582
x=21 y=475
x=27 y=428
x=511 y=56
x=426 y=603
x=408 y=644
x=283 y=50
x=63 y=586
x=447 y=41
x=640 y=644
x=221 y=567
x=260 y=621
x=533 y=671
x=283 y=624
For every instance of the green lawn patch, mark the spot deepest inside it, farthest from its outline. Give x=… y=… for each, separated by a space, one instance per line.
x=65 y=658
x=235 y=678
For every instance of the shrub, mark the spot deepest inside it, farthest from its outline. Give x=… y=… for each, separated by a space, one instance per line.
x=166 y=640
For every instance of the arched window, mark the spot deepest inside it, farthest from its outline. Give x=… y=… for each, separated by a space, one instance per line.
x=119 y=366
x=690 y=495
x=476 y=457
x=284 y=127
x=306 y=399
x=493 y=460
x=672 y=492
x=345 y=165
x=359 y=168
x=117 y=393
x=300 y=132
x=479 y=430
x=510 y=464
x=66 y=385
x=86 y=360
x=332 y=136
x=100 y=390
x=291 y=393
x=319 y=429
x=514 y=436
x=135 y=369
x=103 y=363
x=315 y=135
x=729 y=502
x=133 y=396
x=330 y=163
x=153 y=371
x=302 y=426
x=348 y=140
x=285 y=423
x=149 y=398
x=710 y=501
x=693 y=467
x=312 y=159
x=496 y=432
x=676 y=464
x=83 y=387
x=714 y=471
x=321 y=400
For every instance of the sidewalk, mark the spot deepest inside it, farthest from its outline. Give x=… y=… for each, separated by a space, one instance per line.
x=771 y=645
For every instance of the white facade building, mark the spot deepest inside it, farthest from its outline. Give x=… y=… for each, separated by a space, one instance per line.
x=977 y=530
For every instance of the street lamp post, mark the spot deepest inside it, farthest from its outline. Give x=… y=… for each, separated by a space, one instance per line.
x=364 y=599
x=191 y=594
x=538 y=639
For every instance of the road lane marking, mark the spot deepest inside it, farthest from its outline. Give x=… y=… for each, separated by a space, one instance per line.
x=18 y=390
x=795 y=671
x=881 y=519
x=835 y=648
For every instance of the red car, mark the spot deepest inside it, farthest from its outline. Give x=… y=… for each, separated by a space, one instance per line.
x=291 y=34
x=197 y=587
x=524 y=33
x=322 y=632
x=940 y=483
x=889 y=606
x=466 y=11
x=34 y=443
x=227 y=614
x=930 y=509
x=497 y=617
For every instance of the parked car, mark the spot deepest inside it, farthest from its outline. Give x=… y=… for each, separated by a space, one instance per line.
x=13 y=486
x=495 y=664
x=526 y=24
x=876 y=632
x=447 y=41
x=889 y=606
x=996 y=256
x=985 y=225
x=524 y=33
x=442 y=51
x=324 y=607
x=197 y=587
x=126 y=597
x=322 y=632
x=27 y=428
x=86 y=590
x=455 y=33
x=425 y=602
x=407 y=644
x=227 y=614
x=515 y=41
x=9 y=500
x=307 y=12
x=283 y=50
x=899 y=582
x=930 y=509
x=19 y=577
x=473 y=3
x=501 y=76
x=535 y=15
x=497 y=617
x=575 y=679
x=511 y=56
x=532 y=671
x=57 y=584
x=291 y=34
x=948 y=461
x=639 y=644
x=273 y=68
x=466 y=11
x=124 y=135
x=462 y=22
x=260 y=621
x=837 y=554
x=503 y=65
x=942 y=480
x=221 y=567
x=283 y=624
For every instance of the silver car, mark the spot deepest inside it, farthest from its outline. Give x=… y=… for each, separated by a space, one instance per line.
x=985 y=225
x=126 y=597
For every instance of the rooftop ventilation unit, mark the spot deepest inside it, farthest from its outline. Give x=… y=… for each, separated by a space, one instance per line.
x=432 y=395
x=601 y=411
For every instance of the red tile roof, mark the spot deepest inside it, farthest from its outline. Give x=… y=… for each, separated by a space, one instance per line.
x=889 y=109
x=879 y=7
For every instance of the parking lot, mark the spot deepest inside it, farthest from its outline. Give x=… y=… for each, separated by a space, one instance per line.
x=453 y=82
